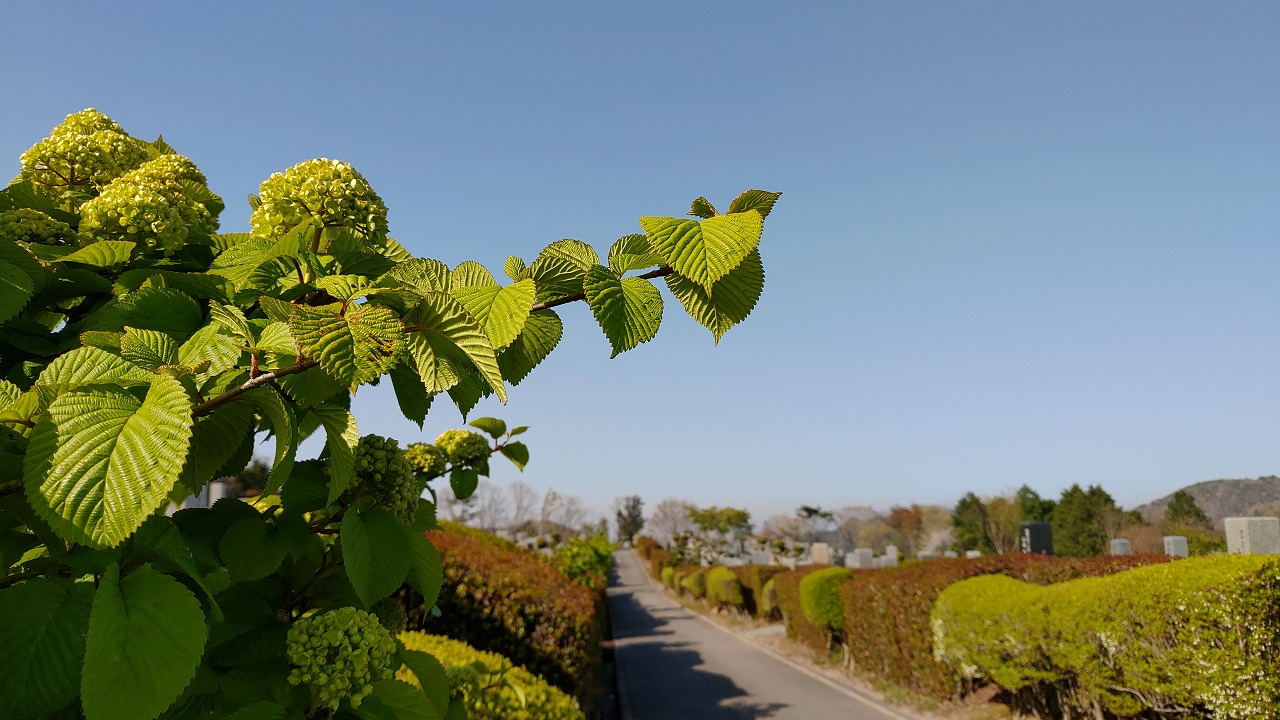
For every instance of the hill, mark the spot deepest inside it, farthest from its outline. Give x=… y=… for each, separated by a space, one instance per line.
x=1225 y=498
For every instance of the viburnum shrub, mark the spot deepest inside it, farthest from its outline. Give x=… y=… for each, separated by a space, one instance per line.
x=141 y=353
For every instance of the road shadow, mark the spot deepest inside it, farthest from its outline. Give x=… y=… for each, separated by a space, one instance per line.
x=665 y=681
x=631 y=619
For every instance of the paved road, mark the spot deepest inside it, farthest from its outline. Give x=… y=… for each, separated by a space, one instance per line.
x=674 y=665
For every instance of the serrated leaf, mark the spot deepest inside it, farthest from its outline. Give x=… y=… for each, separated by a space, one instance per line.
x=9 y=393
x=214 y=440
x=541 y=334
x=276 y=310
x=759 y=200
x=514 y=267
x=495 y=427
x=16 y=290
x=632 y=252
x=232 y=320
x=100 y=339
x=277 y=338
x=731 y=300
x=355 y=344
x=310 y=387
x=201 y=193
x=251 y=550
x=519 y=430
x=426 y=569
x=342 y=438
x=397 y=700
x=99 y=461
x=207 y=287
x=517 y=453
x=702 y=208
x=259 y=711
x=284 y=426
x=146 y=635
x=165 y=309
x=470 y=273
x=556 y=278
x=704 y=251
x=468 y=393
x=87 y=366
x=148 y=349
x=238 y=262
x=501 y=311
x=373 y=553
x=421 y=274
x=411 y=395
x=575 y=251
x=628 y=310
x=42 y=629
x=106 y=254
x=463 y=481
x=431 y=677
x=207 y=344
x=346 y=287
x=446 y=342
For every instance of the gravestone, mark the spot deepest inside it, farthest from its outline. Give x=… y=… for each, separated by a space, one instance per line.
x=926 y=556
x=951 y=554
x=890 y=557
x=971 y=554
x=1121 y=546
x=1036 y=538
x=861 y=558
x=1253 y=535
x=1176 y=546
x=820 y=553
x=759 y=557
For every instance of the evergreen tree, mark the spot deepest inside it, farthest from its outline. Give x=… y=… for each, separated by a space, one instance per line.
x=630 y=517
x=1033 y=508
x=969 y=520
x=1184 y=510
x=1077 y=521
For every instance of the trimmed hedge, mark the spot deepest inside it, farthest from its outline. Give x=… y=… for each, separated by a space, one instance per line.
x=515 y=603
x=820 y=597
x=586 y=562
x=645 y=545
x=658 y=559
x=1197 y=638
x=723 y=588
x=787 y=587
x=887 y=611
x=669 y=577
x=535 y=699
x=753 y=579
x=767 y=606
x=695 y=583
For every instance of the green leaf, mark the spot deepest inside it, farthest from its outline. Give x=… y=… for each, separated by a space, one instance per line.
x=445 y=342
x=759 y=200
x=107 y=254
x=702 y=208
x=231 y=319
x=16 y=289
x=342 y=438
x=495 y=427
x=159 y=539
x=346 y=287
x=87 y=366
x=731 y=300
x=575 y=251
x=556 y=278
x=284 y=426
x=373 y=553
x=397 y=700
x=42 y=629
x=214 y=440
x=628 y=310
x=501 y=311
x=632 y=252
x=307 y=488
x=704 y=251
x=464 y=482
x=276 y=338
x=165 y=309
x=411 y=395
x=514 y=267
x=431 y=676
x=207 y=344
x=468 y=393
x=99 y=461
x=421 y=274
x=519 y=430
x=259 y=711
x=541 y=334
x=251 y=550
x=355 y=344
x=148 y=349
x=426 y=569
x=470 y=273
x=517 y=453
x=146 y=636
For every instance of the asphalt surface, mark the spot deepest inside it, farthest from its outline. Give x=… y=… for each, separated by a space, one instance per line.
x=672 y=664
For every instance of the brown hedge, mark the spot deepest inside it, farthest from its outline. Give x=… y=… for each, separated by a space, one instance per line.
x=658 y=559
x=787 y=584
x=645 y=545
x=886 y=612
x=753 y=578
x=510 y=601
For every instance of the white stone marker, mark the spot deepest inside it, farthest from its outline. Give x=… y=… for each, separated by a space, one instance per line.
x=1176 y=546
x=1121 y=546
x=861 y=558
x=1253 y=536
x=971 y=554
x=821 y=553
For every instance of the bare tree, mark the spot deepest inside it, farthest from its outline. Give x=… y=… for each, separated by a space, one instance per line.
x=1001 y=523
x=524 y=505
x=492 y=509
x=669 y=519
x=451 y=508
x=550 y=509
x=782 y=527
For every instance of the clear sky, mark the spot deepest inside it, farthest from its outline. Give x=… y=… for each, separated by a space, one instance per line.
x=1019 y=242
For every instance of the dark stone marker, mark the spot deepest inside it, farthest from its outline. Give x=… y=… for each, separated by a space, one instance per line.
x=1037 y=538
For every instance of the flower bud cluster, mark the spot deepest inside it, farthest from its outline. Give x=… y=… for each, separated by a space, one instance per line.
x=427 y=460
x=384 y=475
x=341 y=653
x=464 y=447
x=329 y=191
x=149 y=206
x=33 y=226
x=87 y=151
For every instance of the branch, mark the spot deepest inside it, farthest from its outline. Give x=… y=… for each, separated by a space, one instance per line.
x=210 y=405
x=660 y=272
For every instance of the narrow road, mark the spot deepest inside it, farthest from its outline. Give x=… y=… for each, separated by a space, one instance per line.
x=672 y=664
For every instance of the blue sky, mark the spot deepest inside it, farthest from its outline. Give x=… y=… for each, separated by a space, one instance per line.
x=1019 y=243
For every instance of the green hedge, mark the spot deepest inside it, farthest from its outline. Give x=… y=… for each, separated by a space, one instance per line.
x=1199 y=637
x=514 y=602
x=753 y=579
x=519 y=695
x=767 y=601
x=587 y=562
x=723 y=588
x=820 y=597
x=787 y=587
x=669 y=577
x=887 y=611
x=694 y=582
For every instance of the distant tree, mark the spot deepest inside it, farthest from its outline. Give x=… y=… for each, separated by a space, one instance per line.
x=969 y=521
x=909 y=521
x=814 y=520
x=670 y=519
x=1000 y=521
x=524 y=502
x=720 y=530
x=1184 y=510
x=1032 y=507
x=252 y=480
x=630 y=517
x=491 y=510
x=1077 y=519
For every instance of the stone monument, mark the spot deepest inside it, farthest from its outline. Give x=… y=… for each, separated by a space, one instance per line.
x=1176 y=546
x=1121 y=546
x=1253 y=535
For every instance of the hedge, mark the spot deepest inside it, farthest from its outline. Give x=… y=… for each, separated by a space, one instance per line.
x=645 y=545
x=753 y=579
x=767 y=606
x=820 y=597
x=787 y=587
x=513 y=602
x=587 y=562
x=694 y=582
x=887 y=611
x=519 y=695
x=669 y=577
x=658 y=559
x=1198 y=638
x=723 y=588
